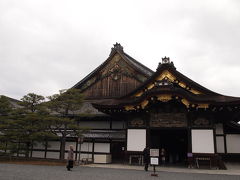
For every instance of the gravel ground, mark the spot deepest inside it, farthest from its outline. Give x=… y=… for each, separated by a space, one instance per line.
x=40 y=172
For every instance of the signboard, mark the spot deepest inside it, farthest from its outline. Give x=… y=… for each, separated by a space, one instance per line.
x=154 y=161
x=154 y=152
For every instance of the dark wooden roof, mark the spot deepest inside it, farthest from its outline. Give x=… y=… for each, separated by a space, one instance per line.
x=13 y=102
x=174 y=91
x=180 y=77
x=99 y=84
x=176 y=85
x=140 y=68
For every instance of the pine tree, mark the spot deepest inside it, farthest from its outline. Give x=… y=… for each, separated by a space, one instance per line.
x=5 y=106
x=5 y=112
x=65 y=105
x=31 y=122
x=26 y=125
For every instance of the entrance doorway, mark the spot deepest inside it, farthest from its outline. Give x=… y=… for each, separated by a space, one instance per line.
x=173 y=141
x=117 y=151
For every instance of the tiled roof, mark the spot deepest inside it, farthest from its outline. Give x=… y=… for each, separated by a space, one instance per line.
x=207 y=96
x=134 y=63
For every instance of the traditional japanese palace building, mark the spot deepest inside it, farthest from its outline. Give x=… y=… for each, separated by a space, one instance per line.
x=128 y=107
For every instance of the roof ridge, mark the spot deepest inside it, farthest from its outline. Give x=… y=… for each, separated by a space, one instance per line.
x=16 y=100
x=172 y=69
x=200 y=86
x=90 y=74
x=135 y=61
x=118 y=49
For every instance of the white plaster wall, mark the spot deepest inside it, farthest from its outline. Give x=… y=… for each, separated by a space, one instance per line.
x=53 y=155
x=70 y=143
x=38 y=154
x=117 y=124
x=102 y=147
x=233 y=143
x=102 y=158
x=85 y=156
x=136 y=139
x=202 y=141
x=219 y=128
x=66 y=156
x=38 y=146
x=23 y=155
x=54 y=145
x=86 y=147
x=220 y=144
x=95 y=124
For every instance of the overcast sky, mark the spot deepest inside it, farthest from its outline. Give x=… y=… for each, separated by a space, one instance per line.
x=48 y=45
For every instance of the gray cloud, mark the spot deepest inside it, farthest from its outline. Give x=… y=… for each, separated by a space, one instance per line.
x=50 y=45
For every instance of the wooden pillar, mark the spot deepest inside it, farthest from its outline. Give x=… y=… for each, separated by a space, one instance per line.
x=125 y=146
x=31 y=150
x=189 y=131
x=18 y=148
x=110 y=124
x=45 y=151
x=215 y=140
x=93 y=144
x=225 y=144
x=148 y=137
x=148 y=133
x=225 y=140
x=76 y=154
x=126 y=135
x=189 y=139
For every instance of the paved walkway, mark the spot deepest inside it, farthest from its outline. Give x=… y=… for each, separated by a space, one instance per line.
x=232 y=168
x=40 y=172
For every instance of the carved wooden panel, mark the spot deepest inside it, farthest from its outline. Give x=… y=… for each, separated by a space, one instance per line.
x=136 y=122
x=201 y=122
x=168 y=120
x=116 y=79
x=112 y=86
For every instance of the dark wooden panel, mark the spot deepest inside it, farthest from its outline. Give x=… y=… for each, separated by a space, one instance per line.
x=112 y=86
x=136 y=122
x=168 y=120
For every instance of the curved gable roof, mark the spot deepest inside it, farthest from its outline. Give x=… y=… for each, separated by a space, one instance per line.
x=117 y=49
x=168 y=70
x=180 y=85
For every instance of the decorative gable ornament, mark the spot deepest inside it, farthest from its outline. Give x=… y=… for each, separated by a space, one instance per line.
x=166 y=60
x=116 y=47
x=164 y=82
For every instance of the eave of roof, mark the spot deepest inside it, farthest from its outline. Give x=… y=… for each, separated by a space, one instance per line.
x=180 y=76
x=208 y=96
x=194 y=99
x=11 y=99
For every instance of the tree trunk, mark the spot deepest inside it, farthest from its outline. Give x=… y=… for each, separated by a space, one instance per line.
x=63 y=142
x=62 y=147
x=27 y=149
